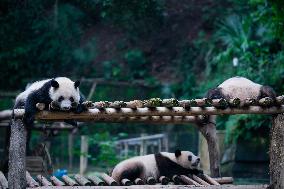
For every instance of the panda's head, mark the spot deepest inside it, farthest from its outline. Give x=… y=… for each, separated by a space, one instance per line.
x=64 y=92
x=187 y=159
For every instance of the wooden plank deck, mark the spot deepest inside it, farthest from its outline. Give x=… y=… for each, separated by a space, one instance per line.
x=158 y=187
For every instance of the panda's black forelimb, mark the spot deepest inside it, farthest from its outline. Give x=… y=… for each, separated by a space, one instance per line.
x=215 y=93
x=267 y=91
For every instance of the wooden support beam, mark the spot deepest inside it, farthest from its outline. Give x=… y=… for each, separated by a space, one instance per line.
x=210 y=134
x=189 y=181
x=277 y=152
x=224 y=180
x=17 y=155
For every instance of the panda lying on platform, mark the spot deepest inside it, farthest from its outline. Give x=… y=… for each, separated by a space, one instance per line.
x=242 y=88
x=61 y=89
x=156 y=165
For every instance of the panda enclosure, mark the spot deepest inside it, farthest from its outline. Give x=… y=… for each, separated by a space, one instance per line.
x=160 y=111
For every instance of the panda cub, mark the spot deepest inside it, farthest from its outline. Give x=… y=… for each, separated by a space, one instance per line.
x=242 y=88
x=156 y=165
x=61 y=89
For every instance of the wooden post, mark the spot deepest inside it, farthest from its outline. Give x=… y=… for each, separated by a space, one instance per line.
x=17 y=155
x=84 y=153
x=277 y=152
x=209 y=132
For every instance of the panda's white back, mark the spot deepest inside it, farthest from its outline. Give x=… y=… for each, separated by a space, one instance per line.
x=240 y=87
x=148 y=162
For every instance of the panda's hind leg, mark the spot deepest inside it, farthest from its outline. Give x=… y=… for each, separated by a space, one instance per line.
x=267 y=91
x=135 y=172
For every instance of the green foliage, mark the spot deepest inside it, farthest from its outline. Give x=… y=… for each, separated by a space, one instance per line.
x=106 y=155
x=137 y=17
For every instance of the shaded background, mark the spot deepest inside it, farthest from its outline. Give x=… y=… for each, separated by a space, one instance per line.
x=143 y=49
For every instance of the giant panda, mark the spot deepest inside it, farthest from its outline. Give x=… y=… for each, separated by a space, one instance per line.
x=61 y=89
x=242 y=88
x=156 y=165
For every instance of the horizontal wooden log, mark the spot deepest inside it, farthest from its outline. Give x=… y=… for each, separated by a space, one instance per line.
x=139 y=181
x=110 y=181
x=235 y=102
x=220 y=103
x=43 y=181
x=189 y=181
x=69 y=181
x=126 y=182
x=153 y=102
x=224 y=180
x=164 y=180
x=199 y=180
x=135 y=104
x=159 y=111
x=260 y=186
x=267 y=101
x=96 y=180
x=82 y=180
x=56 y=182
x=280 y=100
x=250 y=102
x=209 y=179
x=172 y=102
x=117 y=104
x=151 y=181
x=177 y=180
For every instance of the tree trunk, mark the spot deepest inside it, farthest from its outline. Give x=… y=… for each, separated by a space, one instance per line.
x=209 y=132
x=17 y=155
x=277 y=152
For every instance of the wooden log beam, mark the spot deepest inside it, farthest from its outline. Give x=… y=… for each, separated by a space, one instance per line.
x=150 y=181
x=139 y=181
x=69 y=181
x=277 y=152
x=17 y=155
x=224 y=180
x=189 y=181
x=164 y=180
x=209 y=179
x=43 y=181
x=82 y=180
x=56 y=181
x=209 y=132
x=109 y=180
x=199 y=180
x=92 y=114
x=126 y=182
x=97 y=181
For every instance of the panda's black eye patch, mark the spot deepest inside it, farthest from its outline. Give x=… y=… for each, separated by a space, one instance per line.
x=60 y=98
x=189 y=158
x=71 y=99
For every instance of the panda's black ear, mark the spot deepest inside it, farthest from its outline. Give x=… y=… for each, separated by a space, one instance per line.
x=77 y=83
x=177 y=153
x=54 y=84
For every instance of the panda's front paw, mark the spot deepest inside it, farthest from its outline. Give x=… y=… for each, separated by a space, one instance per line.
x=80 y=108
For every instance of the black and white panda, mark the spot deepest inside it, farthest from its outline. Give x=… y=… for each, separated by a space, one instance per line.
x=61 y=89
x=156 y=165
x=242 y=88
